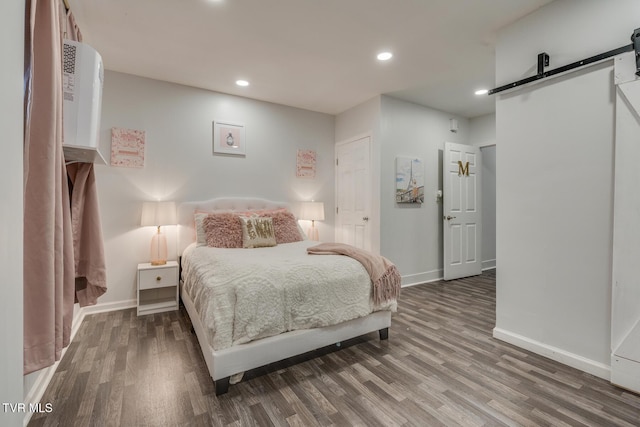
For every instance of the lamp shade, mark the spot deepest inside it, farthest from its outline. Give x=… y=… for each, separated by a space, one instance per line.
x=158 y=213
x=312 y=211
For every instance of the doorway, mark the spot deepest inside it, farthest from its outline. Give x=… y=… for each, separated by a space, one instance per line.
x=488 y=185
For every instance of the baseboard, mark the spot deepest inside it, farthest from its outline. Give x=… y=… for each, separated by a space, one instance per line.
x=41 y=382
x=420 y=278
x=559 y=355
x=488 y=264
x=108 y=306
x=435 y=275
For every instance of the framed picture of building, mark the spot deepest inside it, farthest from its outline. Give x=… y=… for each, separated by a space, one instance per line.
x=409 y=180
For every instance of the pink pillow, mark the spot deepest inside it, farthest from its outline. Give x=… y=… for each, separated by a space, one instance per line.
x=223 y=230
x=285 y=226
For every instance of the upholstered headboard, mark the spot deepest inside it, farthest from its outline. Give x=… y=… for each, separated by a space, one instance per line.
x=186 y=225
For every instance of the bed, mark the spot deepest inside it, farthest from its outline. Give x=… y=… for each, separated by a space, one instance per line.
x=221 y=309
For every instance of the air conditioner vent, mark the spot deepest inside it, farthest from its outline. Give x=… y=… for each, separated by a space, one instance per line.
x=82 y=80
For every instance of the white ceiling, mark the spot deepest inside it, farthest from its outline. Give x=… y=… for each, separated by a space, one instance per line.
x=313 y=54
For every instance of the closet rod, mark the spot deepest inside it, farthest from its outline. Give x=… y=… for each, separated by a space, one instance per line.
x=543 y=61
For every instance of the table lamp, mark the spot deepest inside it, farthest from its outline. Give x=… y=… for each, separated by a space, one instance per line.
x=312 y=211
x=158 y=214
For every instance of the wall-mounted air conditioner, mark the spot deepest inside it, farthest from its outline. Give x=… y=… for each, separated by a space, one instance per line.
x=82 y=91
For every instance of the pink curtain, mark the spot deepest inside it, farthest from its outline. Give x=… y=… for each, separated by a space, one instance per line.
x=91 y=279
x=48 y=240
x=90 y=271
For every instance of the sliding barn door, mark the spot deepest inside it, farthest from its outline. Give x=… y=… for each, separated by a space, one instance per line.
x=625 y=310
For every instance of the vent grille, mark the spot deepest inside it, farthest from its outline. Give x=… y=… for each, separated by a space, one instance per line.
x=69 y=59
x=69 y=71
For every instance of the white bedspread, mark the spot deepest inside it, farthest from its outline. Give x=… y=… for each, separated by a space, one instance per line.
x=246 y=294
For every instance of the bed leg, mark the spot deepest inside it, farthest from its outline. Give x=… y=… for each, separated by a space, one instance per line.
x=384 y=334
x=222 y=385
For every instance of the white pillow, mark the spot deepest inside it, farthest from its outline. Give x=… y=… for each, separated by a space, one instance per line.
x=257 y=232
x=201 y=234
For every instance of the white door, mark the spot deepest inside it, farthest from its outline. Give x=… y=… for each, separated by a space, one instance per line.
x=625 y=309
x=462 y=220
x=353 y=193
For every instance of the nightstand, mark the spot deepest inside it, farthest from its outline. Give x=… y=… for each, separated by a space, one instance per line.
x=157 y=287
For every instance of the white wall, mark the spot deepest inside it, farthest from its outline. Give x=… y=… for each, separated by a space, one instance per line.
x=180 y=166
x=359 y=120
x=11 y=104
x=411 y=235
x=555 y=181
x=482 y=130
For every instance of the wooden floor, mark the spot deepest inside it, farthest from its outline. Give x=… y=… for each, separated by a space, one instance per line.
x=440 y=366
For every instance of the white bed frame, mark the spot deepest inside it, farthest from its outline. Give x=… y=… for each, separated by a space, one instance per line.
x=222 y=364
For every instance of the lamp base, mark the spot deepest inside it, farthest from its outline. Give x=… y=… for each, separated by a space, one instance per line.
x=158 y=249
x=312 y=233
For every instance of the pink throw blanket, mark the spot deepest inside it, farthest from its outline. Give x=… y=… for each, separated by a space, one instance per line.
x=385 y=277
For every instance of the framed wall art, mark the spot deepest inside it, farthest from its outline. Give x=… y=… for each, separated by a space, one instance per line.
x=229 y=138
x=306 y=164
x=409 y=180
x=127 y=147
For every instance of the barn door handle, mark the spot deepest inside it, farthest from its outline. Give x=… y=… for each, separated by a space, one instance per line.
x=449 y=217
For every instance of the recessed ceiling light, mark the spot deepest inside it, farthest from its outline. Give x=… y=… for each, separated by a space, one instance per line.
x=482 y=91
x=384 y=56
x=242 y=83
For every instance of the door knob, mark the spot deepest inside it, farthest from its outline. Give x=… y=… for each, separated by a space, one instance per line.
x=365 y=218
x=449 y=217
